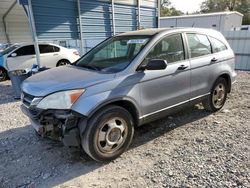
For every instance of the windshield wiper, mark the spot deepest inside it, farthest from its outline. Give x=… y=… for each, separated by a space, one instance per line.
x=90 y=67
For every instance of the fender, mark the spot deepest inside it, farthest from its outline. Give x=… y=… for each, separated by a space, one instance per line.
x=87 y=106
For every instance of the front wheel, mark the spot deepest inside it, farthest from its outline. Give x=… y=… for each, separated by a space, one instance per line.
x=108 y=134
x=3 y=74
x=217 y=97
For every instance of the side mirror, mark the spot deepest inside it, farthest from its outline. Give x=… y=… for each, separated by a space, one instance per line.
x=13 y=55
x=154 y=64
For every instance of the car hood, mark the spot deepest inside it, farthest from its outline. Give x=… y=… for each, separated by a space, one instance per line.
x=63 y=78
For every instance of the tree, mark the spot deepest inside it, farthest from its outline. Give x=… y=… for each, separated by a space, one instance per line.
x=241 y=6
x=244 y=8
x=168 y=10
x=165 y=3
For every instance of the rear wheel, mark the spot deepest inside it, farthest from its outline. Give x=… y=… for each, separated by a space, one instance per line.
x=217 y=97
x=3 y=74
x=108 y=134
x=63 y=62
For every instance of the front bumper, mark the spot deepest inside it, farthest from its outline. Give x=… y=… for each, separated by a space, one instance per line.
x=56 y=124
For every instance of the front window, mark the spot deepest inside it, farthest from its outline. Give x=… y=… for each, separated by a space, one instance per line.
x=170 y=48
x=26 y=50
x=115 y=54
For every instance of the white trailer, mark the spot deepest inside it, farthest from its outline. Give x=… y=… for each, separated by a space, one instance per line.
x=221 y=21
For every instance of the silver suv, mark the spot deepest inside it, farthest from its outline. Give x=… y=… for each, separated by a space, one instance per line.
x=126 y=81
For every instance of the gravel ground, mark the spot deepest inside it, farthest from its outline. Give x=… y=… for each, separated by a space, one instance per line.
x=192 y=148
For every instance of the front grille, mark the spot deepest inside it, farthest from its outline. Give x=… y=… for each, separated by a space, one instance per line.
x=30 y=112
x=34 y=112
x=27 y=99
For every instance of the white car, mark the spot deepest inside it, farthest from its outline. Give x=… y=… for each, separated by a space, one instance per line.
x=51 y=55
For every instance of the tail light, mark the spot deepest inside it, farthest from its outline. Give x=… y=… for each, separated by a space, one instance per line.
x=234 y=59
x=76 y=53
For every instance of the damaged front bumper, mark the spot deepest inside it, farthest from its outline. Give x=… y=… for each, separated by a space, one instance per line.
x=56 y=124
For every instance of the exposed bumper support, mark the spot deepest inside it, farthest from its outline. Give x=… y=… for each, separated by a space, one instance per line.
x=56 y=124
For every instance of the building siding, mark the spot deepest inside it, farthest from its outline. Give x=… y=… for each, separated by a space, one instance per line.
x=17 y=26
x=96 y=19
x=97 y=25
x=148 y=17
x=59 y=19
x=125 y=18
x=55 y=19
x=60 y=22
x=240 y=43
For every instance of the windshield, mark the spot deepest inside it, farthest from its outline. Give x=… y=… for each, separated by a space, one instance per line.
x=114 y=54
x=9 y=49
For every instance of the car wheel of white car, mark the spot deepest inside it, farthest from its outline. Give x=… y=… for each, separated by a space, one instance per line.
x=3 y=74
x=62 y=63
x=108 y=133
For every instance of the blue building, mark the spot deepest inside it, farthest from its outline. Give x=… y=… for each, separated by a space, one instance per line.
x=74 y=23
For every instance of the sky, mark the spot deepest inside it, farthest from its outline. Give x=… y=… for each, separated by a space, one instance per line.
x=187 y=5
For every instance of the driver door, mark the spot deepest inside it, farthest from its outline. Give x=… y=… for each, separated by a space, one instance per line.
x=164 y=89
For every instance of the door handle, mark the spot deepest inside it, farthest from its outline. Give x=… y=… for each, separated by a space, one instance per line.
x=214 y=60
x=55 y=54
x=182 y=67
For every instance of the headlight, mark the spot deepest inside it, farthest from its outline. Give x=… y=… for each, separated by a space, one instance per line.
x=60 y=100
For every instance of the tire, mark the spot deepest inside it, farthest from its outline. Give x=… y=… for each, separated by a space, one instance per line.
x=217 y=97
x=62 y=62
x=108 y=134
x=3 y=74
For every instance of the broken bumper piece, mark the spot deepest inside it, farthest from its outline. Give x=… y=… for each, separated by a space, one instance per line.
x=59 y=125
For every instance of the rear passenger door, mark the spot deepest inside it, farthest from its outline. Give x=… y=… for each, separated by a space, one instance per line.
x=201 y=62
x=48 y=56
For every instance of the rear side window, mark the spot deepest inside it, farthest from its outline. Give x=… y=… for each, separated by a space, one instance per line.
x=217 y=45
x=46 y=48
x=170 y=48
x=199 y=45
x=56 y=49
x=25 y=50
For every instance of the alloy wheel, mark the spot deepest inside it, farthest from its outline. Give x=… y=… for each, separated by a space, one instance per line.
x=219 y=95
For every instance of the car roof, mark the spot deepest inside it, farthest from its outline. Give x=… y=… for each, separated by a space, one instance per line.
x=151 y=32
x=31 y=43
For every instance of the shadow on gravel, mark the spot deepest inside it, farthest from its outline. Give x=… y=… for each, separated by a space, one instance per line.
x=27 y=160
x=157 y=128
x=6 y=93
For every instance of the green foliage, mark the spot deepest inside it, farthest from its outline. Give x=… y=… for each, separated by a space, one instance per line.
x=165 y=3
x=242 y=6
x=168 y=10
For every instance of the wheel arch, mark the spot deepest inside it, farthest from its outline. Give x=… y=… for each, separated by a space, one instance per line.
x=4 y=69
x=227 y=77
x=126 y=103
x=1 y=67
x=63 y=59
